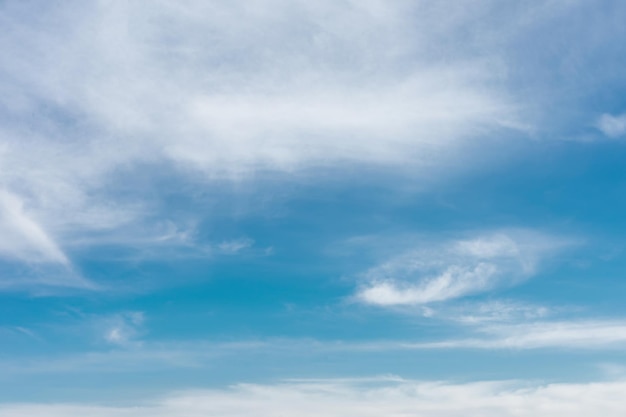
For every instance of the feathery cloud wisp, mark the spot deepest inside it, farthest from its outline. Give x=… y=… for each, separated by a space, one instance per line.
x=456 y=269
x=22 y=237
x=612 y=126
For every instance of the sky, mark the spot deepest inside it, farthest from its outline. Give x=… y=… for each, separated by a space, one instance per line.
x=339 y=208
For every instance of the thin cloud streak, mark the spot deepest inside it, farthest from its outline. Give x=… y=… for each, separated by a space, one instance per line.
x=584 y=334
x=24 y=241
x=23 y=238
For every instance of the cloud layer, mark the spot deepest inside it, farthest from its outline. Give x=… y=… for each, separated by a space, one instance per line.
x=384 y=396
x=101 y=96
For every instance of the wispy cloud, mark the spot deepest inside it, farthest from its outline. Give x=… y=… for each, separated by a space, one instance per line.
x=368 y=397
x=612 y=126
x=123 y=329
x=234 y=246
x=95 y=97
x=569 y=334
x=458 y=268
x=492 y=311
x=22 y=237
x=24 y=240
x=127 y=352
x=99 y=96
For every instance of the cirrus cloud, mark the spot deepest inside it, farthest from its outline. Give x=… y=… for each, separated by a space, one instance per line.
x=449 y=270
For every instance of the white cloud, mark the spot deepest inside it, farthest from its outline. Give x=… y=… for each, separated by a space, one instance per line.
x=572 y=334
x=612 y=126
x=524 y=335
x=22 y=237
x=458 y=268
x=453 y=282
x=500 y=311
x=122 y=329
x=275 y=85
x=485 y=312
x=369 y=397
x=98 y=94
x=234 y=246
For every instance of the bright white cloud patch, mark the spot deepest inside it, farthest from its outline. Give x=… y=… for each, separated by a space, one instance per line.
x=238 y=87
x=455 y=281
x=378 y=397
x=456 y=269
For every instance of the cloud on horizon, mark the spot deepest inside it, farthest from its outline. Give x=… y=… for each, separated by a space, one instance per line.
x=388 y=396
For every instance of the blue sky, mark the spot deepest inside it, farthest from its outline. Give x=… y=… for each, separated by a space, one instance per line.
x=312 y=208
